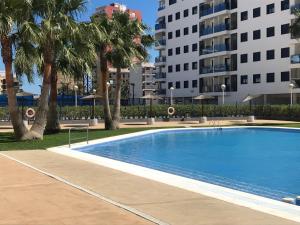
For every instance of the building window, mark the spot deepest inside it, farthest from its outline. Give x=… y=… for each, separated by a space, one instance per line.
x=178 y=68
x=256 y=12
x=256 y=34
x=170 y=84
x=270 y=31
x=270 y=54
x=285 y=52
x=177 y=33
x=195 y=47
x=244 y=15
x=194 y=10
x=285 y=28
x=270 y=8
x=270 y=77
x=194 y=65
x=186 y=13
x=256 y=79
x=244 y=79
x=194 y=83
x=244 y=58
x=186 y=31
x=170 y=69
x=195 y=28
x=177 y=84
x=177 y=50
x=177 y=16
x=170 y=52
x=171 y=2
x=244 y=37
x=285 y=76
x=186 y=84
x=186 y=66
x=186 y=49
x=285 y=4
x=256 y=56
x=170 y=35
x=170 y=18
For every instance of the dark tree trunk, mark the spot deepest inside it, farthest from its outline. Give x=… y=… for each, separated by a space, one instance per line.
x=53 y=125
x=15 y=115
x=117 y=105
x=38 y=127
x=103 y=76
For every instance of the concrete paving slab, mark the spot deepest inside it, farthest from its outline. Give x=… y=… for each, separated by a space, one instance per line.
x=169 y=204
x=29 y=197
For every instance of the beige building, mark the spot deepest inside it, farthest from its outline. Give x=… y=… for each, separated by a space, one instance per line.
x=3 y=83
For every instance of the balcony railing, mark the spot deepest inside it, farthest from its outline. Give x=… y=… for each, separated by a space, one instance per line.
x=161 y=91
x=217 y=48
x=161 y=76
x=220 y=7
x=217 y=28
x=160 y=59
x=295 y=59
x=161 y=7
x=206 y=12
x=217 y=8
x=160 y=26
x=215 y=69
x=160 y=43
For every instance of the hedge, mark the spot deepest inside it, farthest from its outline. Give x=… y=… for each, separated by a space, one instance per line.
x=283 y=112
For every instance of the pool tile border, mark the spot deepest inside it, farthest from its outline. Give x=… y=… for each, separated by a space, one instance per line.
x=252 y=201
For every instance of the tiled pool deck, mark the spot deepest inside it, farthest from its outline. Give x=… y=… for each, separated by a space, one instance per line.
x=169 y=204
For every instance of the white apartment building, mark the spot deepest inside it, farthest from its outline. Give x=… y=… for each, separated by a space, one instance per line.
x=244 y=44
x=142 y=81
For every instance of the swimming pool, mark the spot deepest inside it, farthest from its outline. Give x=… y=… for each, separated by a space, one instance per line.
x=260 y=161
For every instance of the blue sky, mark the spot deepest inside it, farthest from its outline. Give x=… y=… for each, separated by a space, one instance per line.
x=148 y=8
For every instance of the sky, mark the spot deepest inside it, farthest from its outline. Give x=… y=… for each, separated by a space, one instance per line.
x=148 y=8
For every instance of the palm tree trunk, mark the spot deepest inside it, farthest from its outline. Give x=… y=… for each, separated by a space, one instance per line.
x=16 y=117
x=103 y=75
x=53 y=125
x=117 y=106
x=38 y=127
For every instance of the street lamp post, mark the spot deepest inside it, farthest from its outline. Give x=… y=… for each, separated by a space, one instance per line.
x=291 y=87
x=75 y=90
x=94 y=104
x=133 y=94
x=223 y=87
x=171 y=95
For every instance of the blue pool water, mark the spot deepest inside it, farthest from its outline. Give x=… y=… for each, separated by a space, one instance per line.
x=265 y=162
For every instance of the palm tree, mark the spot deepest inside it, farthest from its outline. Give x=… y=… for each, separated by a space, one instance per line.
x=103 y=41
x=13 y=15
x=55 y=20
x=129 y=46
x=76 y=57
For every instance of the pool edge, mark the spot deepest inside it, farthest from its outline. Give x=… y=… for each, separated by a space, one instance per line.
x=240 y=198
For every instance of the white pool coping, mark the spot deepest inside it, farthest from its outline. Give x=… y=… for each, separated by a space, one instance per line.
x=262 y=204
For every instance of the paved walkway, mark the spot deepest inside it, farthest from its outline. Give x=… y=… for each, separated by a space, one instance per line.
x=31 y=198
x=169 y=204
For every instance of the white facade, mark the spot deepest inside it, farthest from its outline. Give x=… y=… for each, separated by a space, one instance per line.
x=244 y=44
x=142 y=81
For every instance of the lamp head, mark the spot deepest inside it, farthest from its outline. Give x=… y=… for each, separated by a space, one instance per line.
x=75 y=87
x=94 y=91
x=291 y=86
x=172 y=88
x=223 y=87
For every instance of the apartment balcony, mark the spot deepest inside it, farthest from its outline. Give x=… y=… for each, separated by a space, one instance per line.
x=160 y=61
x=160 y=27
x=159 y=76
x=215 y=69
x=161 y=92
x=160 y=44
x=215 y=49
x=161 y=7
x=216 y=29
x=222 y=7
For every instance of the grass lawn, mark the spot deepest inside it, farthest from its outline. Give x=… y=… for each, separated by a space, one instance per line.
x=8 y=142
